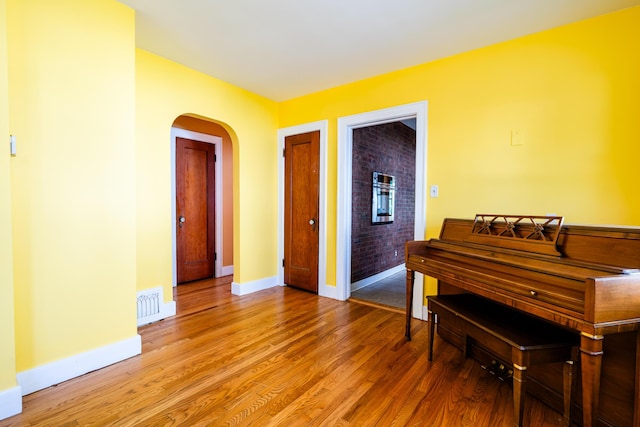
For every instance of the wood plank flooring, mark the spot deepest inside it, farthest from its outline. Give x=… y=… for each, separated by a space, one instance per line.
x=281 y=357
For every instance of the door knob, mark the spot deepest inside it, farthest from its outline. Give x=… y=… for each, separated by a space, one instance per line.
x=181 y=220
x=312 y=221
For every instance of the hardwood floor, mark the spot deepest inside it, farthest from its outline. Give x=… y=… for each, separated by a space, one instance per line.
x=281 y=357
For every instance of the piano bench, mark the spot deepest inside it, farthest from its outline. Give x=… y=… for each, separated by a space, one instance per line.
x=517 y=339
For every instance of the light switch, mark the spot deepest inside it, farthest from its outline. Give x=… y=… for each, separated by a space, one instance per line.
x=12 y=145
x=434 y=191
x=516 y=137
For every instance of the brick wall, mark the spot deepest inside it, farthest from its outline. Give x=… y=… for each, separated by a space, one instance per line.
x=390 y=149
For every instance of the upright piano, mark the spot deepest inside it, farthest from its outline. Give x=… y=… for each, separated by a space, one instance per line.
x=582 y=278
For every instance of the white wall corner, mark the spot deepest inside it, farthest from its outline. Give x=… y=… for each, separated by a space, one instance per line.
x=62 y=370
x=10 y=402
x=255 y=286
x=425 y=313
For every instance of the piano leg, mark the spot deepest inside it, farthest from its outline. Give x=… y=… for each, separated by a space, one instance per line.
x=636 y=409
x=591 y=360
x=569 y=379
x=520 y=361
x=519 y=391
x=410 y=284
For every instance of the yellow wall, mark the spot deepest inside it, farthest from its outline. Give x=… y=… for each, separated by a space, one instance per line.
x=71 y=100
x=572 y=93
x=166 y=90
x=7 y=338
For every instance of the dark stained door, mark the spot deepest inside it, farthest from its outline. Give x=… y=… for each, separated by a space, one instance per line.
x=195 y=209
x=302 y=164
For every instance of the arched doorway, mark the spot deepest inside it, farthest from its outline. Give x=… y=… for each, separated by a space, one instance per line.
x=207 y=131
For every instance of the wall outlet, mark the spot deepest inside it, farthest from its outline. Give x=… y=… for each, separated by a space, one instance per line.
x=434 y=191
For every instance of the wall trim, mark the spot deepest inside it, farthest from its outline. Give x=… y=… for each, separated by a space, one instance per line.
x=417 y=110
x=377 y=277
x=227 y=270
x=79 y=364
x=255 y=286
x=329 y=292
x=10 y=402
x=168 y=309
x=323 y=125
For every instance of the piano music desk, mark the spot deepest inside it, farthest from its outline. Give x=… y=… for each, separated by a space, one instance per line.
x=516 y=339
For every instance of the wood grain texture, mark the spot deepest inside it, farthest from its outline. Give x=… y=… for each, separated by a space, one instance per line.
x=281 y=357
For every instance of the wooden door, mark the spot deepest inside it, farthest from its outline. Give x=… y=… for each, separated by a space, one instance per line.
x=195 y=209
x=302 y=172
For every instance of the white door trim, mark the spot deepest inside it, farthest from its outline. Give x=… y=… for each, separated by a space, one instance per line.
x=322 y=126
x=200 y=137
x=417 y=110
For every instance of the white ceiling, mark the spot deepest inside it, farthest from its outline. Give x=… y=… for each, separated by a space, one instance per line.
x=282 y=49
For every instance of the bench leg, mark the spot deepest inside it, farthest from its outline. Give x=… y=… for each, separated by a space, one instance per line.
x=519 y=391
x=432 y=331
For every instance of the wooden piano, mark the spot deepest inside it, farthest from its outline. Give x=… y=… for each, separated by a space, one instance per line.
x=583 y=278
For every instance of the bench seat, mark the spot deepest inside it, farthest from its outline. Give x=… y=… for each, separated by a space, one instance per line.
x=515 y=338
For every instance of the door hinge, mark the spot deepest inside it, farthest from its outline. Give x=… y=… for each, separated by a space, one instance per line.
x=215 y=158
x=283 y=262
x=284 y=152
x=215 y=256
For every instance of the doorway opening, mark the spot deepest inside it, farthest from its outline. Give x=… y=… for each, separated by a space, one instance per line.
x=346 y=126
x=383 y=210
x=208 y=132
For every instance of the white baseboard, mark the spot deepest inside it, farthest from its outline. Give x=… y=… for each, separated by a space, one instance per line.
x=79 y=364
x=255 y=286
x=328 y=292
x=167 y=309
x=377 y=277
x=10 y=402
x=227 y=270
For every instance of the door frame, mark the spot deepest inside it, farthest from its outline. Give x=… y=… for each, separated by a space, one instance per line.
x=322 y=126
x=218 y=247
x=417 y=110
